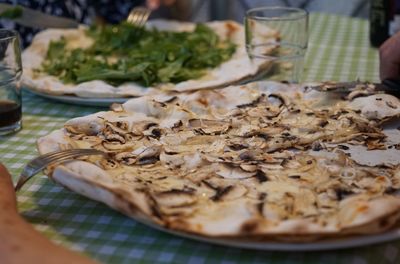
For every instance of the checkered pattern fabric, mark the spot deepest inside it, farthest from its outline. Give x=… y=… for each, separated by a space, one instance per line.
x=338 y=50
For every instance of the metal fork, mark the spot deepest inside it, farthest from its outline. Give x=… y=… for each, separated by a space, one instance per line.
x=138 y=16
x=39 y=163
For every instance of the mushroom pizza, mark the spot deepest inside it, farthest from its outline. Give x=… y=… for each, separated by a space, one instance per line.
x=260 y=161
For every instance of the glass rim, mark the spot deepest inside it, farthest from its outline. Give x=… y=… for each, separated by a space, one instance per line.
x=301 y=13
x=13 y=34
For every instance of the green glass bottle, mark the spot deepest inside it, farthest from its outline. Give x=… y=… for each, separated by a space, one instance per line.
x=381 y=13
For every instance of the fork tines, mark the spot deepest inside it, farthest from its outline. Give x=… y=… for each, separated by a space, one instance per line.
x=138 y=16
x=41 y=162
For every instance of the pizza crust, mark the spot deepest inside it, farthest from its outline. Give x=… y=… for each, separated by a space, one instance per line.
x=237 y=69
x=97 y=186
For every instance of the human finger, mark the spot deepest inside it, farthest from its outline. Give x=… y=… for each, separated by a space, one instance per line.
x=7 y=194
x=389 y=58
x=153 y=4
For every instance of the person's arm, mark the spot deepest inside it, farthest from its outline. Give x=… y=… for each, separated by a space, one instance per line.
x=389 y=57
x=20 y=242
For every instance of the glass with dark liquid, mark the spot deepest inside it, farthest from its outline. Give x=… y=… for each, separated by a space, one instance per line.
x=10 y=73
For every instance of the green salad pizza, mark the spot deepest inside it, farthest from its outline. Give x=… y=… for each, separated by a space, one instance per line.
x=123 y=61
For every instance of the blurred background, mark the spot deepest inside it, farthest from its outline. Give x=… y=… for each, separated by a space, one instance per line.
x=205 y=10
x=113 y=11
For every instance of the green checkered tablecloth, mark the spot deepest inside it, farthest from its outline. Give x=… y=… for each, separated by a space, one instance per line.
x=338 y=50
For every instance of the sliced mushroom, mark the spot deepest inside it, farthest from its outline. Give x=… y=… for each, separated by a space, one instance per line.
x=216 y=157
x=259 y=112
x=358 y=93
x=185 y=160
x=117 y=146
x=127 y=158
x=228 y=171
x=120 y=127
x=91 y=128
x=175 y=198
x=256 y=142
x=230 y=192
x=117 y=107
x=244 y=130
x=209 y=127
x=147 y=151
x=165 y=98
x=131 y=137
x=253 y=103
x=109 y=164
x=148 y=160
x=139 y=127
x=278 y=100
x=249 y=157
x=115 y=137
x=277 y=143
x=235 y=146
x=171 y=159
x=248 y=167
x=176 y=139
x=157 y=109
x=154 y=132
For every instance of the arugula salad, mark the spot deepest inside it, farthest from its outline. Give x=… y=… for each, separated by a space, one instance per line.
x=123 y=53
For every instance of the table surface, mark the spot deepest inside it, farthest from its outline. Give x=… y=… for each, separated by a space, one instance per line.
x=338 y=50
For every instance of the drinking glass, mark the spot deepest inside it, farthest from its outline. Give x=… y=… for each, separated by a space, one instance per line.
x=276 y=41
x=10 y=90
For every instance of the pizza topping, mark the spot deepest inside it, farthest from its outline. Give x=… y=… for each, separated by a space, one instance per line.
x=229 y=171
x=126 y=158
x=114 y=137
x=249 y=167
x=260 y=176
x=147 y=160
x=175 y=198
x=119 y=127
x=169 y=56
x=116 y=107
x=276 y=163
x=359 y=93
x=209 y=127
x=342 y=193
x=109 y=164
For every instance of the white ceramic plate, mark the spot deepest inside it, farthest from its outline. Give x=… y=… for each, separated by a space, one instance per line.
x=319 y=245
x=70 y=99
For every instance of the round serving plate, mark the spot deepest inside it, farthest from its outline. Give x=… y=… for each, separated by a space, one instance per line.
x=70 y=99
x=318 y=245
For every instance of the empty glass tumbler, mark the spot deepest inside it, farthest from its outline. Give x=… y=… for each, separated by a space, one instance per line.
x=276 y=40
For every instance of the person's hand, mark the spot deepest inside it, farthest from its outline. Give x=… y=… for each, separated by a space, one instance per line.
x=389 y=58
x=20 y=242
x=154 y=4
x=8 y=202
